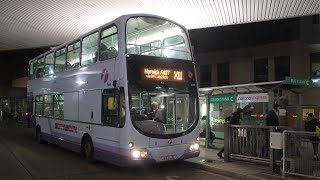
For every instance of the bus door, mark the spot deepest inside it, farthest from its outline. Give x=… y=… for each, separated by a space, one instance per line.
x=113 y=117
x=177 y=114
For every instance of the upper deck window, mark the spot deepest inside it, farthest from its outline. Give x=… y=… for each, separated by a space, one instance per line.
x=109 y=43
x=89 y=49
x=49 y=64
x=60 y=60
x=40 y=67
x=73 y=55
x=150 y=36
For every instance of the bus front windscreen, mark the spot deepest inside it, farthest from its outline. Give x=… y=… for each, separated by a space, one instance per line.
x=162 y=110
x=150 y=36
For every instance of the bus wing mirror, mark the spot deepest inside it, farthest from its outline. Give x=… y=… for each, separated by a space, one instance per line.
x=114 y=83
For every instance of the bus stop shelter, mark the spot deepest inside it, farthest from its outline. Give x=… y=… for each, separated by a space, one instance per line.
x=270 y=91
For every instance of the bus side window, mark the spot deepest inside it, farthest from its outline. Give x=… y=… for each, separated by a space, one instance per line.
x=109 y=43
x=89 y=49
x=39 y=105
x=60 y=58
x=113 y=111
x=40 y=68
x=73 y=55
x=49 y=64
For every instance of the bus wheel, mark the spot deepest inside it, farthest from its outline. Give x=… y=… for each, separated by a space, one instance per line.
x=39 y=135
x=87 y=148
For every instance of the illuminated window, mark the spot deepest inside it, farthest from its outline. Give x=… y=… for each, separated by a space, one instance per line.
x=39 y=105
x=150 y=36
x=109 y=43
x=73 y=55
x=58 y=102
x=60 y=60
x=48 y=106
x=89 y=49
x=40 y=68
x=49 y=64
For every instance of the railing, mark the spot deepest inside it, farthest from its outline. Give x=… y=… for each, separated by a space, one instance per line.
x=300 y=150
x=251 y=143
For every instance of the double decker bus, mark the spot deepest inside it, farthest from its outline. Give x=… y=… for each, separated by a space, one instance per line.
x=124 y=93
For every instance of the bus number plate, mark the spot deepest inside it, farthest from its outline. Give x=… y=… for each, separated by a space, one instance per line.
x=168 y=158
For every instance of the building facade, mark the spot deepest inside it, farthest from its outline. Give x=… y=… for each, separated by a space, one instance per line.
x=264 y=52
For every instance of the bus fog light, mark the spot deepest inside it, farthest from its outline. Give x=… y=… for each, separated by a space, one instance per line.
x=144 y=153
x=131 y=144
x=196 y=146
x=136 y=154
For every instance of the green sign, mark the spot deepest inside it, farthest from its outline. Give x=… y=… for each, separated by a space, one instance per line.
x=223 y=99
x=298 y=81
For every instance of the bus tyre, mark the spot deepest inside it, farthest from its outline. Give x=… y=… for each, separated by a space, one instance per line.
x=87 y=148
x=39 y=135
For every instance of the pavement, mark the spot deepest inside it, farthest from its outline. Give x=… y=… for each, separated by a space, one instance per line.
x=19 y=159
x=209 y=161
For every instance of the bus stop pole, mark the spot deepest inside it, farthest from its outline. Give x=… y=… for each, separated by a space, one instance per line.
x=235 y=102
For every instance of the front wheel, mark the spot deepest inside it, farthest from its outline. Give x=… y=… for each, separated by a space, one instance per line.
x=87 y=149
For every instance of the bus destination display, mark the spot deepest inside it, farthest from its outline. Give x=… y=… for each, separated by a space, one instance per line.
x=162 y=74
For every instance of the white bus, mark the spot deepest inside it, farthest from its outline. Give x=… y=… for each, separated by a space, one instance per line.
x=124 y=93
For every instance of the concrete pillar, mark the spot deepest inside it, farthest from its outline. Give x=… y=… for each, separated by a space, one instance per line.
x=235 y=95
x=271 y=100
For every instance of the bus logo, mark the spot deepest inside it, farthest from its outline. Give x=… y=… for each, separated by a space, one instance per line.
x=170 y=141
x=104 y=75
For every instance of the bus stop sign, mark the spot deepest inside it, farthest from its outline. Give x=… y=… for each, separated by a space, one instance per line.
x=298 y=81
x=223 y=99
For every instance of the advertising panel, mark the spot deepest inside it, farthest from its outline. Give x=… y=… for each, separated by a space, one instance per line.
x=253 y=98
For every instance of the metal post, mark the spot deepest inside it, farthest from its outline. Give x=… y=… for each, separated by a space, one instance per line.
x=272 y=153
x=284 y=154
x=278 y=101
x=226 y=142
x=208 y=129
x=207 y=120
x=299 y=113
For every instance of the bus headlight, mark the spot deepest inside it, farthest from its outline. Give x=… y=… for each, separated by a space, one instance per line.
x=194 y=147
x=141 y=153
x=136 y=154
x=191 y=147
